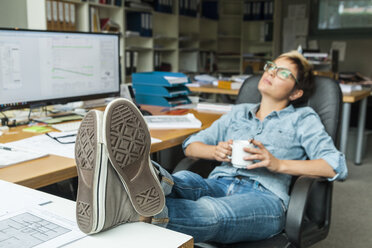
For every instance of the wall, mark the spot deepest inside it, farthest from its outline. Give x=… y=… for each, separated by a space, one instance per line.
x=13 y=13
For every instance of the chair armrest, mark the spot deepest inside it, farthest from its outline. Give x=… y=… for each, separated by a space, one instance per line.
x=296 y=209
x=186 y=164
x=200 y=166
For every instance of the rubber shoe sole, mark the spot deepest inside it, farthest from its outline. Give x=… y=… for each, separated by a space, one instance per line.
x=91 y=174
x=128 y=141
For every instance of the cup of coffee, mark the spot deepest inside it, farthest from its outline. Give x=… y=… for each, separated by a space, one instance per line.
x=238 y=153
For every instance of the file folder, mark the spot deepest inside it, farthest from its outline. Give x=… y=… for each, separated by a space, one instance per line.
x=72 y=16
x=49 y=15
x=54 y=15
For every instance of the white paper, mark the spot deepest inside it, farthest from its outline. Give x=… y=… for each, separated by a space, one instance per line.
x=35 y=227
x=12 y=155
x=219 y=107
x=176 y=80
x=155 y=140
x=172 y=121
x=43 y=143
x=14 y=203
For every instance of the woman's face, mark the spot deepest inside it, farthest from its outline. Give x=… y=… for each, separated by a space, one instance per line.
x=275 y=87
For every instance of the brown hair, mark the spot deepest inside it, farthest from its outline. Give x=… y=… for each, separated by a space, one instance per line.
x=304 y=75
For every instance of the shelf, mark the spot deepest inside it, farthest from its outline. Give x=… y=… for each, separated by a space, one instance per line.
x=138 y=49
x=179 y=40
x=229 y=16
x=257 y=21
x=229 y=37
x=164 y=38
x=232 y=70
x=106 y=6
x=187 y=50
x=138 y=9
x=223 y=56
x=164 y=49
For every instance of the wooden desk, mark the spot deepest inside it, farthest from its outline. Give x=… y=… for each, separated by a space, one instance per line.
x=348 y=99
x=51 y=169
x=213 y=90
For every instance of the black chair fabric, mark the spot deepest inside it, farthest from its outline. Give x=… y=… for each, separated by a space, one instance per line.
x=308 y=215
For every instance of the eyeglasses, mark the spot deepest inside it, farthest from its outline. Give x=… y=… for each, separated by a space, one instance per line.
x=60 y=138
x=281 y=72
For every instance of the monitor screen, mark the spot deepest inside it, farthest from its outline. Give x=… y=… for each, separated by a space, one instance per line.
x=57 y=67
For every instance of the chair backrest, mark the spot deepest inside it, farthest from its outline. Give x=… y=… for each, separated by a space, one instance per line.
x=326 y=100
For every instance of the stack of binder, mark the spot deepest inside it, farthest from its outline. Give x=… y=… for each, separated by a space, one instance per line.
x=60 y=15
x=258 y=10
x=161 y=88
x=140 y=22
x=165 y=6
x=188 y=7
x=210 y=9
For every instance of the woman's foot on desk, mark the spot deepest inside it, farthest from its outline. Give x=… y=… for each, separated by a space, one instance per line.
x=102 y=202
x=128 y=141
x=117 y=182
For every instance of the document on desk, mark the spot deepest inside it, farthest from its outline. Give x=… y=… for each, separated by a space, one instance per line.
x=24 y=221
x=172 y=121
x=219 y=107
x=43 y=143
x=13 y=155
x=36 y=227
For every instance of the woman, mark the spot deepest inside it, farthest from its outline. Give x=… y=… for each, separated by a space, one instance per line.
x=233 y=204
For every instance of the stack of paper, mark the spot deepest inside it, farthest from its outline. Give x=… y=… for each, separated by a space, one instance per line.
x=220 y=107
x=347 y=88
x=176 y=80
x=10 y=155
x=172 y=121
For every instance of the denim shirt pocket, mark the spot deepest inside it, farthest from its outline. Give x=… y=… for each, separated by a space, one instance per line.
x=281 y=138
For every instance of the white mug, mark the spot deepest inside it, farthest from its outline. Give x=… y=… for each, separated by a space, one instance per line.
x=238 y=153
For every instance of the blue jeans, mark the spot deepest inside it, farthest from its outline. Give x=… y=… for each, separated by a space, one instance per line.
x=224 y=210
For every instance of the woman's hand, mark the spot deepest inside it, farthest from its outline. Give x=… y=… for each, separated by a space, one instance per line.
x=222 y=151
x=261 y=153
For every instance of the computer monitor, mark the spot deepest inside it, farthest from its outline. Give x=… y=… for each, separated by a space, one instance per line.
x=47 y=67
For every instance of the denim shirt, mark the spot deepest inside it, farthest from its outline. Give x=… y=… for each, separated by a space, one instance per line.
x=290 y=134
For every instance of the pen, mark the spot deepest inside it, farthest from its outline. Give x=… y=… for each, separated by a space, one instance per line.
x=6 y=148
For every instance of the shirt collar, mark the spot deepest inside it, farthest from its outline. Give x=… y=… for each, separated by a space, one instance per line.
x=253 y=110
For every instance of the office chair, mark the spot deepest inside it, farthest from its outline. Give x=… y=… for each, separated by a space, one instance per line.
x=309 y=210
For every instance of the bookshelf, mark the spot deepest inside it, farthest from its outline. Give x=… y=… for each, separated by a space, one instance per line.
x=229 y=37
x=205 y=36
x=259 y=34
